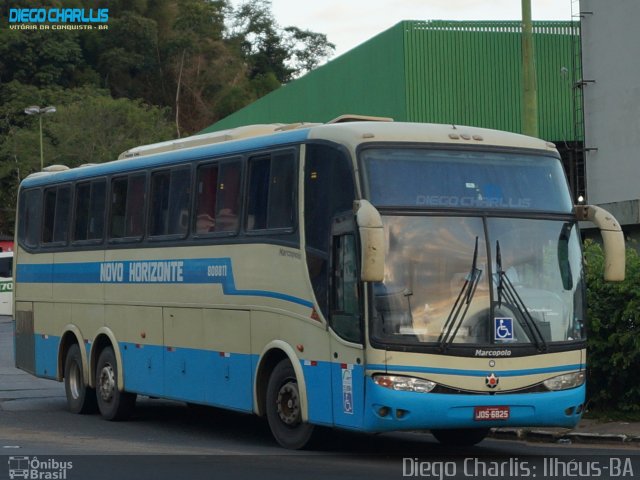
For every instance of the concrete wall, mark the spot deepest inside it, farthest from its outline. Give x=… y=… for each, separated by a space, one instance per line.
x=611 y=58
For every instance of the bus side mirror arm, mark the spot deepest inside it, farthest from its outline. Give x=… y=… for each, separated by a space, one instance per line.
x=612 y=238
x=372 y=241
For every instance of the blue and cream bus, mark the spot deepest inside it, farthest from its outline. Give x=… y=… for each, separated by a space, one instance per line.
x=363 y=274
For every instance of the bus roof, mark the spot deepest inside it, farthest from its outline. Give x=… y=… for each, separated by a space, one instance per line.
x=343 y=130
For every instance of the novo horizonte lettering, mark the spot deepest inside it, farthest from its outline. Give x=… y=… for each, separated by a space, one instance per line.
x=58 y=15
x=171 y=271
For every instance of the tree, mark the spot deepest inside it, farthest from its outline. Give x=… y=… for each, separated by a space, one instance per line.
x=40 y=58
x=307 y=49
x=197 y=63
x=269 y=50
x=88 y=127
x=613 y=333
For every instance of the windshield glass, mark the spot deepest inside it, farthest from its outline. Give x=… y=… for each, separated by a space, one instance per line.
x=438 y=287
x=414 y=177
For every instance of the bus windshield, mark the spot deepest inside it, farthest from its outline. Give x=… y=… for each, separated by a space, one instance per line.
x=426 y=178
x=440 y=288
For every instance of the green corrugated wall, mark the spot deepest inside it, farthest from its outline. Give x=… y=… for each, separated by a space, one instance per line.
x=469 y=73
x=466 y=73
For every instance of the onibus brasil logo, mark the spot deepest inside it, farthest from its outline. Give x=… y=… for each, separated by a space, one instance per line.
x=58 y=18
x=37 y=469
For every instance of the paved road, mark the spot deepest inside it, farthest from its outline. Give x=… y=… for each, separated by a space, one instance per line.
x=169 y=440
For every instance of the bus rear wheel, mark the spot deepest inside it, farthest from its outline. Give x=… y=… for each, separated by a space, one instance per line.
x=284 y=410
x=464 y=437
x=112 y=403
x=80 y=397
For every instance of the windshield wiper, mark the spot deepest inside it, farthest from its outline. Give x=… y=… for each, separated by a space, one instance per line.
x=505 y=288
x=500 y=286
x=456 y=316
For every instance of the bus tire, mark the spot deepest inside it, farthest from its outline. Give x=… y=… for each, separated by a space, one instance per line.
x=112 y=403
x=80 y=397
x=284 y=411
x=464 y=437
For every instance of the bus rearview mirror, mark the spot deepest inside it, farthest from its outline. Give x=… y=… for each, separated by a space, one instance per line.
x=372 y=241
x=612 y=239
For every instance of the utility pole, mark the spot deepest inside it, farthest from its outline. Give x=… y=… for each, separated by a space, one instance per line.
x=529 y=88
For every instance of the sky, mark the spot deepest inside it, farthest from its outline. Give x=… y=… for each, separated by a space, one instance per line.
x=348 y=23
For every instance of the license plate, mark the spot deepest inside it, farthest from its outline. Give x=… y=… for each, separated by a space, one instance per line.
x=491 y=413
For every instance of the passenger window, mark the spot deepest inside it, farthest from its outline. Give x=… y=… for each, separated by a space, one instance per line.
x=228 y=198
x=127 y=207
x=30 y=211
x=207 y=179
x=217 y=198
x=90 y=206
x=56 y=215
x=170 y=198
x=271 y=192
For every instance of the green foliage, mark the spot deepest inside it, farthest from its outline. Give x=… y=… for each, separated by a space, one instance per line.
x=614 y=333
x=89 y=126
x=307 y=49
x=40 y=58
x=274 y=52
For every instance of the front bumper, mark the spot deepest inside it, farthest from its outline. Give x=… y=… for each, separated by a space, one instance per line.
x=387 y=410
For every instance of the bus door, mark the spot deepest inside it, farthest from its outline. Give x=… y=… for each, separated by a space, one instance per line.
x=346 y=325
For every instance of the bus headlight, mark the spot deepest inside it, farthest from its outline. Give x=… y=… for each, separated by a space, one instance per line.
x=564 y=382
x=404 y=384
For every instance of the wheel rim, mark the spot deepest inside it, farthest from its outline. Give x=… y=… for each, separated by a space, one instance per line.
x=288 y=404
x=107 y=382
x=75 y=381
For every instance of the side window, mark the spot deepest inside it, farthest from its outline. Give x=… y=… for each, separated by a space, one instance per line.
x=29 y=218
x=55 y=225
x=90 y=204
x=271 y=202
x=6 y=267
x=170 y=200
x=127 y=207
x=346 y=280
x=345 y=311
x=217 y=198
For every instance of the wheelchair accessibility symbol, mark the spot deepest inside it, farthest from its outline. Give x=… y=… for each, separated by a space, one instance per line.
x=503 y=329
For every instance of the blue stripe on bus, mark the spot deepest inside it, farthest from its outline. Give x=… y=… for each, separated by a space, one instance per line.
x=475 y=373
x=171 y=271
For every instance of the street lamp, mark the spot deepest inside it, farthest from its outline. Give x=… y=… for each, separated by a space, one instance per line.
x=35 y=110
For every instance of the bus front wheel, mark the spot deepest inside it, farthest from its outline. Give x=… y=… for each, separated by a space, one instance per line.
x=80 y=397
x=464 y=437
x=284 y=410
x=112 y=403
